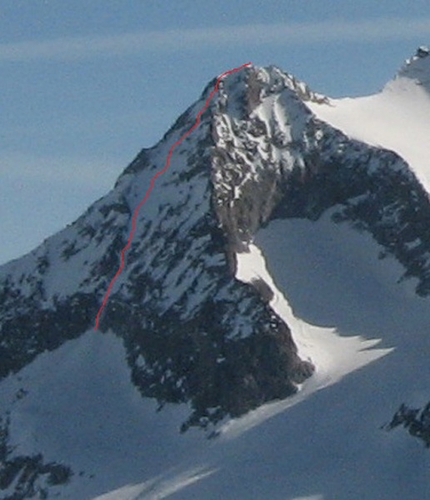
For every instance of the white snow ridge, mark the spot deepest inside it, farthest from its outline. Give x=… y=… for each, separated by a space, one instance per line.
x=397 y=118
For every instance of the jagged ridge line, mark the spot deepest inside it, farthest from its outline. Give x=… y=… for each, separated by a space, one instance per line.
x=152 y=183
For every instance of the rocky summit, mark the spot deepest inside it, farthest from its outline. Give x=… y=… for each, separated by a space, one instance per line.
x=268 y=258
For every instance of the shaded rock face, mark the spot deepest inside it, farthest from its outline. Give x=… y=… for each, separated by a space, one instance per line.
x=35 y=330
x=308 y=168
x=193 y=332
x=255 y=141
x=231 y=352
x=203 y=364
x=370 y=189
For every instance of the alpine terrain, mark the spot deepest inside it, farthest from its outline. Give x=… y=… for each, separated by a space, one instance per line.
x=269 y=335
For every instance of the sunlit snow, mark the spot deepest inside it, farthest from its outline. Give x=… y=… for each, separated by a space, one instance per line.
x=397 y=118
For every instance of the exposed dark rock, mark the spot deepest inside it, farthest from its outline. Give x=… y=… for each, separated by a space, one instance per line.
x=31 y=475
x=263 y=289
x=415 y=420
x=36 y=330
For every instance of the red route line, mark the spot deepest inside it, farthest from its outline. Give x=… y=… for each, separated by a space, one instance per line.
x=151 y=185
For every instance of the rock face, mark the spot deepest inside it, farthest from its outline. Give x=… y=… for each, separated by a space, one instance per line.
x=192 y=331
x=415 y=420
x=27 y=476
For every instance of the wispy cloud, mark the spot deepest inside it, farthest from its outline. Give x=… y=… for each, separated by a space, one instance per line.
x=374 y=30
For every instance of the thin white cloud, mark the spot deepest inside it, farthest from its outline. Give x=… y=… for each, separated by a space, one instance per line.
x=382 y=29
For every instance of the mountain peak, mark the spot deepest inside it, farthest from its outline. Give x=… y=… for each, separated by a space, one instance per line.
x=271 y=80
x=268 y=223
x=417 y=67
x=422 y=52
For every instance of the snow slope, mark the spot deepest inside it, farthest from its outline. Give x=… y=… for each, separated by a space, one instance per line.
x=333 y=355
x=111 y=433
x=328 y=444
x=397 y=118
x=324 y=443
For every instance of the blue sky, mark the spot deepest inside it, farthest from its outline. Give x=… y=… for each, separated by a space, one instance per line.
x=86 y=84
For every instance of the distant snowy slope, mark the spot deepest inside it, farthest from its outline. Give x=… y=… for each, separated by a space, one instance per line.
x=398 y=118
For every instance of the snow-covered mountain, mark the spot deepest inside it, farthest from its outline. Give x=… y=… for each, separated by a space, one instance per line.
x=268 y=335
